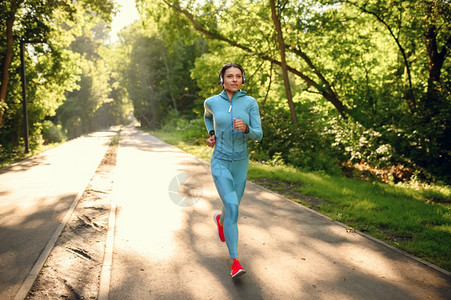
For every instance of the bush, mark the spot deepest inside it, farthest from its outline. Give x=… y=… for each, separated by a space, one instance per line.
x=191 y=130
x=359 y=144
x=308 y=147
x=52 y=133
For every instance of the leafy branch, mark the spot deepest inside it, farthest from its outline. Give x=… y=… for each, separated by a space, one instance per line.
x=323 y=88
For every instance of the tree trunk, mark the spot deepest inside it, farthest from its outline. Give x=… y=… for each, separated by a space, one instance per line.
x=432 y=102
x=8 y=56
x=328 y=94
x=324 y=88
x=286 y=81
x=143 y=117
x=168 y=74
x=409 y=93
x=435 y=58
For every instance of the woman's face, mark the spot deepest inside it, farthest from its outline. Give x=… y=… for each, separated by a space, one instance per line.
x=233 y=79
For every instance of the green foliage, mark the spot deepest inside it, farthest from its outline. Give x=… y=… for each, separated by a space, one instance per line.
x=96 y=103
x=370 y=55
x=188 y=135
x=359 y=144
x=157 y=76
x=412 y=217
x=10 y=154
x=402 y=216
x=51 y=69
x=385 y=63
x=192 y=131
x=304 y=147
x=52 y=133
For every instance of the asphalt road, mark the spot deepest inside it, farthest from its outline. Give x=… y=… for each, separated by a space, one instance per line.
x=36 y=195
x=166 y=247
x=162 y=242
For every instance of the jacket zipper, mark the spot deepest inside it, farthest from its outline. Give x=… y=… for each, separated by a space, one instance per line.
x=233 y=135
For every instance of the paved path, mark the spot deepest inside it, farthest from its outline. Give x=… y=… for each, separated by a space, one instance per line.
x=165 y=244
x=35 y=197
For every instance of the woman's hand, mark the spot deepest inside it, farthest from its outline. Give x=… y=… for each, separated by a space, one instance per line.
x=239 y=124
x=211 y=141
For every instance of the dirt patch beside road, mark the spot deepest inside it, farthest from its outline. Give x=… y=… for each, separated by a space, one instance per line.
x=72 y=270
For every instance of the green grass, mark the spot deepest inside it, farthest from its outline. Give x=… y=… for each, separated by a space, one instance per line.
x=174 y=138
x=10 y=158
x=414 y=218
x=114 y=141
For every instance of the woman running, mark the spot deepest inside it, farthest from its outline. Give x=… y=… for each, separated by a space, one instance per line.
x=231 y=118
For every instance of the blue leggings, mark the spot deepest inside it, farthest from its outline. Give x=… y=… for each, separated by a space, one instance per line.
x=230 y=181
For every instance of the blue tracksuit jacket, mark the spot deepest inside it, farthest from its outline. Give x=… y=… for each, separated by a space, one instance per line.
x=219 y=113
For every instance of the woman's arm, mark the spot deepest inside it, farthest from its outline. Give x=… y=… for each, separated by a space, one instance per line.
x=208 y=117
x=255 y=125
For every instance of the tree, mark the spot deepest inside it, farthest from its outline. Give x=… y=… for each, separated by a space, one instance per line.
x=157 y=73
x=211 y=27
x=51 y=68
x=382 y=64
x=408 y=21
x=82 y=110
x=421 y=32
x=31 y=14
x=275 y=17
x=8 y=52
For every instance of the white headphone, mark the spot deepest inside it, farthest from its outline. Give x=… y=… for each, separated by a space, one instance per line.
x=230 y=65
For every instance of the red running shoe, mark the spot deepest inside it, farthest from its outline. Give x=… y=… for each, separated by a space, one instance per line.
x=220 y=227
x=237 y=269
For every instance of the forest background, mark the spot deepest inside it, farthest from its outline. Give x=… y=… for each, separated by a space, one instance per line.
x=355 y=88
x=342 y=85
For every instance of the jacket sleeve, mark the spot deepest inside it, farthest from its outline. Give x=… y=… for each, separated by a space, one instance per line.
x=255 y=125
x=208 y=117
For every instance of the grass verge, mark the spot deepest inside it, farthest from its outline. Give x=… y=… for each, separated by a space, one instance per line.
x=416 y=219
x=7 y=159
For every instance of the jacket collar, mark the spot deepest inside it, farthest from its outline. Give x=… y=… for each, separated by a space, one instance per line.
x=237 y=94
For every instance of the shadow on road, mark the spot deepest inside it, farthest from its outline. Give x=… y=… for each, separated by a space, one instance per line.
x=22 y=242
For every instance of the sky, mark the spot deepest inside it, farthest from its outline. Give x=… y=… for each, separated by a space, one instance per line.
x=127 y=14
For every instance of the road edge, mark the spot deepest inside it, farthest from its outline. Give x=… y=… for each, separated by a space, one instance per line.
x=31 y=278
x=105 y=274
x=413 y=257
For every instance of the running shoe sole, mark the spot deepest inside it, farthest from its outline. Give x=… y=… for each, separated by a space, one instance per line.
x=239 y=273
